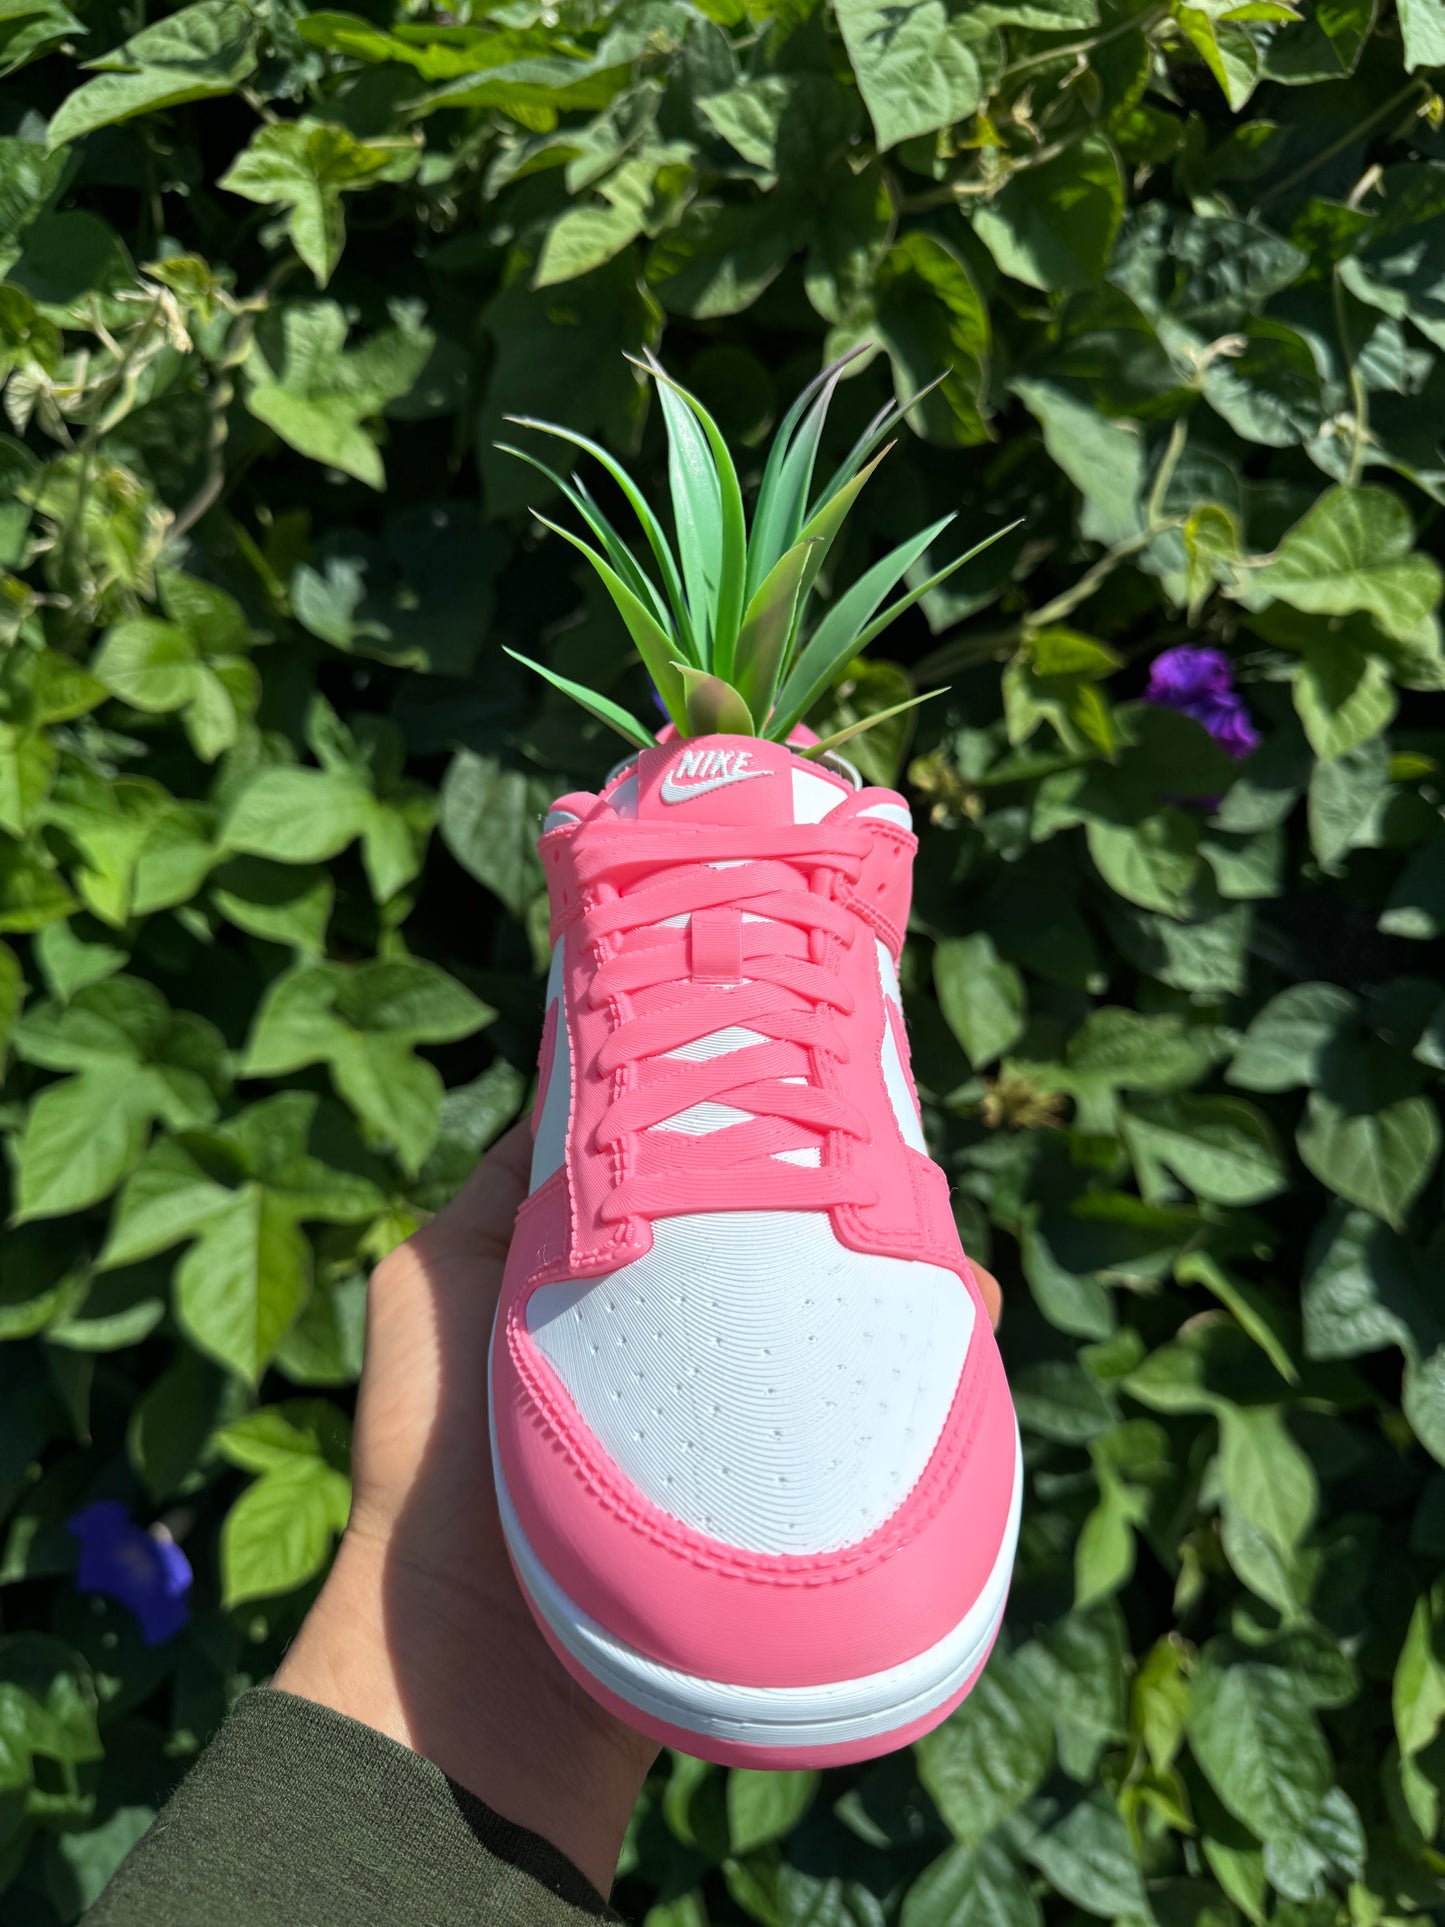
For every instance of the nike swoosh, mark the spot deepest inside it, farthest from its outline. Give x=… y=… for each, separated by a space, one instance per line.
x=674 y=793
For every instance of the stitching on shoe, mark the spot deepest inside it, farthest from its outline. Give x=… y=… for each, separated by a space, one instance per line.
x=641 y=1516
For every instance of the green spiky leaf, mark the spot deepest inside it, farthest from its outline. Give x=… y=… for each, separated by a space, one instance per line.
x=788 y=475
x=882 y=424
x=871 y=631
x=837 y=637
x=731 y=605
x=714 y=707
x=618 y=553
x=637 y=501
x=768 y=628
x=654 y=645
x=826 y=743
x=606 y=711
x=731 y=546
x=823 y=526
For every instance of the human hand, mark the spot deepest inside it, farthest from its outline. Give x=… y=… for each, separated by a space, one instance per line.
x=421 y=1630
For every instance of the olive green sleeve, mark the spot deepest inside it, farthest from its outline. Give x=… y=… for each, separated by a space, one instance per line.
x=296 y=1816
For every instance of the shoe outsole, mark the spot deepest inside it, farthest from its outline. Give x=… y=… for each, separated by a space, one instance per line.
x=771 y=1727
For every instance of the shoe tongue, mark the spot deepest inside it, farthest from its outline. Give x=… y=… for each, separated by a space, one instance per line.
x=735 y=780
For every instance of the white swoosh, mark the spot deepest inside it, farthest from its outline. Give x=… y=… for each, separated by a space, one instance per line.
x=672 y=793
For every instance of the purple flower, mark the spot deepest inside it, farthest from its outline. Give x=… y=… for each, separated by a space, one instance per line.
x=146 y=1571
x=1200 y=683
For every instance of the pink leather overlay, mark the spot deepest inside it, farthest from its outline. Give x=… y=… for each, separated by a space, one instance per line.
x=546 y=1058
x=882 y=894
x=773 y=1759
x=758 y=1619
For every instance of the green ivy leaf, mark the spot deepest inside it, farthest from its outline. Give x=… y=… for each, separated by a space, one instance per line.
x=1229 y=53
x=489 y=821
x=1354 y=550
x=275 y=1438
x=1346 y=797
x=196 y=662
x=282 y=903
x=363 y=1022
x=238 y=1196
x=981 y=996
x=315 y=393
x=1220 y=1147
x=1054 y=224
x=278 y=1533
x=47 y=1705
x=642 y=196
x=1087 y=1855
x=1103 y=459
x=1418 y=1694
x=1422 y=23
x=924 y=310
x=1153 y=861
x=306 y=816
x=168 y=1438
x=1268 y=389
x=1285 y=1045
x=1342 y=696
x=764 y=1806
x=1369 y=1151
x=305 y=166
x=971 y=1887
x=135 y=1062
x=200 y=53
x=1127 y=1050
x=420 y=597
x=919 y=69
x=991 y=1755
x=1252 y=1732
x=1265 y=1475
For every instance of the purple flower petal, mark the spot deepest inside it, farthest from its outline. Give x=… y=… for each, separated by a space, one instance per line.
x=1200 y=683
x=1186 y=673
x=144 y=1571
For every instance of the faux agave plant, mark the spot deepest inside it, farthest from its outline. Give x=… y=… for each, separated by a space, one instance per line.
x=721 y=620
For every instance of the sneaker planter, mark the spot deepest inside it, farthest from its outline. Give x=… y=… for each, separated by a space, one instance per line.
x=755 y=1456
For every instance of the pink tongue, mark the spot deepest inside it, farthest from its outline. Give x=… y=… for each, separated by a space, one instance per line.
x=736 y=780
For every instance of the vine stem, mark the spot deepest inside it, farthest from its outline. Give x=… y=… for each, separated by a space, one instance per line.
x=237 y=347
x=1164 y=475
x=1093 y=578
x=952 y=656
x=954 y=191
x=1359 y=397
x=1418 y=89
x=1141 y=23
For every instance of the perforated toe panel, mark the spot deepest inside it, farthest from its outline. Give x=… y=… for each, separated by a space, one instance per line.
x=759 y=1381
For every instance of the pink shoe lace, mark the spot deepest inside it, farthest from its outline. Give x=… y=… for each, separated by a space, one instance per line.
x=667 y=981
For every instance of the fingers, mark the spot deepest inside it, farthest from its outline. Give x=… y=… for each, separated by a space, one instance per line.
x=989 y=1287
x=480 y=1217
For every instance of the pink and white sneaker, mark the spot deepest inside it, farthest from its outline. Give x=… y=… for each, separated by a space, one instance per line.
x=755 y=1456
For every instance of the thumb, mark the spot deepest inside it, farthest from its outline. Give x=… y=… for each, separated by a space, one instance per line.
x=478 y=1221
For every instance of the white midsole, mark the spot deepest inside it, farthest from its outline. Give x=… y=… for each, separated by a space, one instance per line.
x=832 y=1714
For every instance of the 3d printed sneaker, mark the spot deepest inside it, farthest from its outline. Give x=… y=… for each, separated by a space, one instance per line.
x=755 y=1456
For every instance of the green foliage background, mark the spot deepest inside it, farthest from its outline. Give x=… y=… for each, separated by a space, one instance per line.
x=273 y=924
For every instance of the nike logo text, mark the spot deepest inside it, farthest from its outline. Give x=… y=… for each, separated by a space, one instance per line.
x=707 y=769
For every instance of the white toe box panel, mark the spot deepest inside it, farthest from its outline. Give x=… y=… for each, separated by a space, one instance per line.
x=758 y=1380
